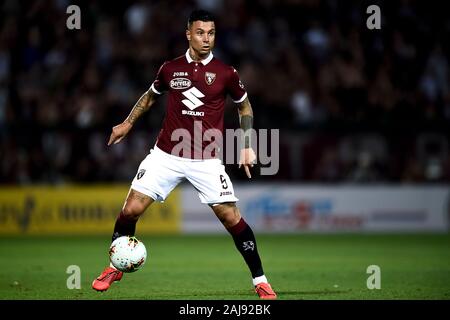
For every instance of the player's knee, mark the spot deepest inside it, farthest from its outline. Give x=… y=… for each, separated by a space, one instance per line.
x=228 y=214
x=133 y=211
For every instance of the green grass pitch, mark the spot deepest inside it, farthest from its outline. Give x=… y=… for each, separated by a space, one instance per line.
x=208 y=267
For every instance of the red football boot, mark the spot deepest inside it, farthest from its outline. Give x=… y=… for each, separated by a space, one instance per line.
x=264 y=291
x=108 y=276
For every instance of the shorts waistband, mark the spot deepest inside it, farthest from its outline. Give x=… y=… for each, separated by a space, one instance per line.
x=159 y=151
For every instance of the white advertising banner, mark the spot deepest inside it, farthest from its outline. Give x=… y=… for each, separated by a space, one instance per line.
x=296 y=208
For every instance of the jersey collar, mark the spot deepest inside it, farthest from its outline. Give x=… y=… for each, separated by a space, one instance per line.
x=204 y=61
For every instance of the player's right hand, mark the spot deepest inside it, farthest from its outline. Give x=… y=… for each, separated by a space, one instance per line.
x=119 y=132
x=247 y=159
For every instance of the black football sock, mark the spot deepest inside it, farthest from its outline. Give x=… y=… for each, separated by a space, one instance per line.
x=245 y=242
x=124 y=226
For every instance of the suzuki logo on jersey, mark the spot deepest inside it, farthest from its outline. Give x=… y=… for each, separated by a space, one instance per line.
x=180 y=83
x=193 y=113
x=192 y=95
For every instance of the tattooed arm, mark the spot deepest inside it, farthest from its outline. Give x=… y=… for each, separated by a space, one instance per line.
x=144 y=103
x=246 y=120
x=247 y=156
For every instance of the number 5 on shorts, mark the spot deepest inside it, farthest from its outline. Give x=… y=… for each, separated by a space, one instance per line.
x=223 y=182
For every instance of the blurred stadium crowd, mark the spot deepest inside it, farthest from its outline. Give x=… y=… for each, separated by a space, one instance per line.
x=352 y=104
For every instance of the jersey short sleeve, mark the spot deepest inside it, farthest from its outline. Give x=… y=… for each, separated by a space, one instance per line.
x=235 y=88
x=159 y=85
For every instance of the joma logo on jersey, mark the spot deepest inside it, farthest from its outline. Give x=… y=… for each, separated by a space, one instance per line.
x=180 y=83
x=192 y=95
x=180 y=74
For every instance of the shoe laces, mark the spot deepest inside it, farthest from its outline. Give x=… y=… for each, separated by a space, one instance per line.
x=108 y=275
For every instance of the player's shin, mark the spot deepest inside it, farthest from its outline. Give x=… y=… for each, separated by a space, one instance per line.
x=245 y=242
x=124 y=226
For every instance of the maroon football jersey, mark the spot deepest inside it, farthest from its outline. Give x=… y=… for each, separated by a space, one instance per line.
x=196 y=102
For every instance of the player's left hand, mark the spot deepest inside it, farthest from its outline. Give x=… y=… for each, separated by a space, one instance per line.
x=247 y=159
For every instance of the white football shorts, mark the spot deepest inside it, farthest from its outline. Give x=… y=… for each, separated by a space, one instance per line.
x=159 y=173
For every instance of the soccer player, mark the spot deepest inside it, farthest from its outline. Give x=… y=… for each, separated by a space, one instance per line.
x=197 y=84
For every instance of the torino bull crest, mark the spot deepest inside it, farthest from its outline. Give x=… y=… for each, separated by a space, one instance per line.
x=210 y=77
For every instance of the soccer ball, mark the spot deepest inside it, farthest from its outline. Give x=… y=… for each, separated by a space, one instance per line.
x=127 y=254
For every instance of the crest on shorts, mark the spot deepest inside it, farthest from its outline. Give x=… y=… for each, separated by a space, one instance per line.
x=210 y=77
x=140 y=173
